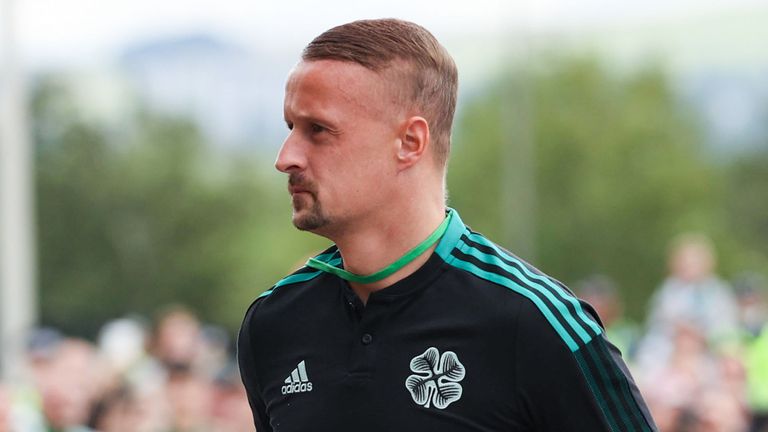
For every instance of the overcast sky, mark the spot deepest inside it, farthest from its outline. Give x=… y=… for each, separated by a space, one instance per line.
x=62 y=31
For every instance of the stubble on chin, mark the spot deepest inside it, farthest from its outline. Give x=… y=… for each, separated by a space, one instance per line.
x=308 y=213
x=308 y=216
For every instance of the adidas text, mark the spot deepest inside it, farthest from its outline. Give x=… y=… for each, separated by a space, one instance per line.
x=297 y=388
x=297 y=381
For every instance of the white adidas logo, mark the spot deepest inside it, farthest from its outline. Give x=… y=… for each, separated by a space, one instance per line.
x=297 y=382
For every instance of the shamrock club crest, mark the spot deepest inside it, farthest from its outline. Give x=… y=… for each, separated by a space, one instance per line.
x=436 y=378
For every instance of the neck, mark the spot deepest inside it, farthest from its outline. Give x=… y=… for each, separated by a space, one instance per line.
x=384 y=239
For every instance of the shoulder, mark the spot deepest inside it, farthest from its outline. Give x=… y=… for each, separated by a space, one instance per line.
x=305 y=273
x=567 y=375
x=289 y=291
x=542 y=298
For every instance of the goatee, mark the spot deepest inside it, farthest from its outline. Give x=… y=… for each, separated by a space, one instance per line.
x=308 y=213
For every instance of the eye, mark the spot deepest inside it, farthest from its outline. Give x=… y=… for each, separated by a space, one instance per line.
x=316 y=128
x=290 y=125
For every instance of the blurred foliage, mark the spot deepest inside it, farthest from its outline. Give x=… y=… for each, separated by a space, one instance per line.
x=130 y=223
x=578 y=169
x=618 y=167
x=746 y=202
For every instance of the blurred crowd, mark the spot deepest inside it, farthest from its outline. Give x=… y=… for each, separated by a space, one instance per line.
x=700 y=360
x=176 y=376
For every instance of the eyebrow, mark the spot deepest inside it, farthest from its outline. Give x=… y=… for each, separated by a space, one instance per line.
x=329 y=124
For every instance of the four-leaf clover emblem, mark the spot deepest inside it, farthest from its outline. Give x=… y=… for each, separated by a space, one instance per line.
x=435 y=379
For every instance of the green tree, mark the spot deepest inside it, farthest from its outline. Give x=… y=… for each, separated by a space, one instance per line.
x=746 y=202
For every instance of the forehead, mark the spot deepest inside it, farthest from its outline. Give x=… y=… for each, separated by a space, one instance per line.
x=335 y=85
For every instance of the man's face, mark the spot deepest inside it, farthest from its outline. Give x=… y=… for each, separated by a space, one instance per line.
x=341 y=149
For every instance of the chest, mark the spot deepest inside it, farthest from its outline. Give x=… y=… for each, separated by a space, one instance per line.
x=390 y=366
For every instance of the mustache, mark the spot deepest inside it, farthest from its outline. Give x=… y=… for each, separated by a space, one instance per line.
x=300 y=180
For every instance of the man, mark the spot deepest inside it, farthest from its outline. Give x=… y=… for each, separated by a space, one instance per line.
x=410 y=322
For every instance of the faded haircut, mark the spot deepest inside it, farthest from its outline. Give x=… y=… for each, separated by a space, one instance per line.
x=423 y=73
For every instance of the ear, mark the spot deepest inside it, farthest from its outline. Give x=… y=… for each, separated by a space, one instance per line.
x=414 y=142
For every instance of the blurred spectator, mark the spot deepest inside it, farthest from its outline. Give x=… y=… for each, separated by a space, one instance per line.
x=696 y=390
x=231 y=412
x=69 y=383
x=214 y=350
x=690 y=360
x=137 y=400
x=600 y=291
x=692 y=295
x=190 y=398
x=129 y=409
x=122 y=342
x=672 y=389
x=177 y=339
x=718 y=411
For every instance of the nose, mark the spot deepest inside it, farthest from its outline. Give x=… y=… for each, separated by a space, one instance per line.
x=291 y=156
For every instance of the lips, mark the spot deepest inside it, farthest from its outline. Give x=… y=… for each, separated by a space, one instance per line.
x=297 y=190
x=297 y=184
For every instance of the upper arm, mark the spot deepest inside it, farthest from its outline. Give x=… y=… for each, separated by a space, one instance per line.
x=589 y=389
x=248 y=373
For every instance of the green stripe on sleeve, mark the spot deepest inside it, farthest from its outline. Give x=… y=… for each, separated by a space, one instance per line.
x=611 y=388
x=596 y=391
x=559 y=305
x=495 y=278
x=531 y=275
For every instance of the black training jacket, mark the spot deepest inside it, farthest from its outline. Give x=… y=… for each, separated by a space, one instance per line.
x=474 y=340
